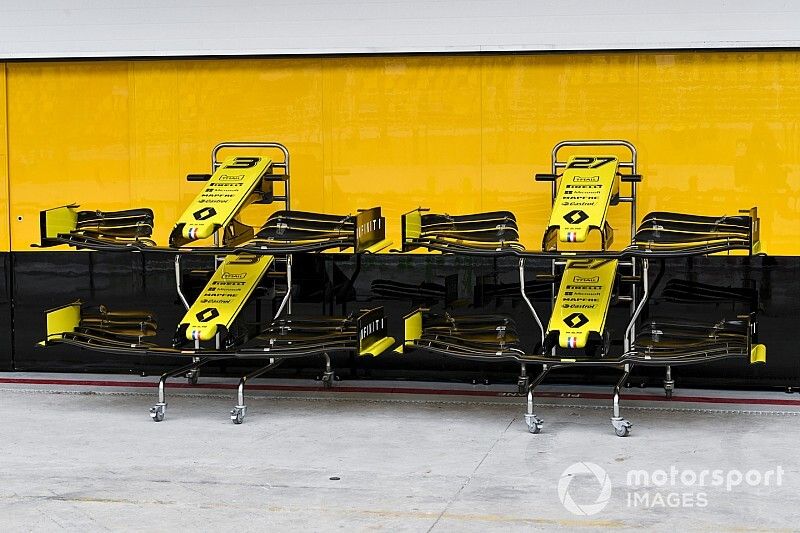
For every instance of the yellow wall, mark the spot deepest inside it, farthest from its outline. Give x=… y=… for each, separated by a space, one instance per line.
x=4 y=221
x=716 y=131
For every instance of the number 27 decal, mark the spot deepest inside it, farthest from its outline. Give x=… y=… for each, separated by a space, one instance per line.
x=590 y=162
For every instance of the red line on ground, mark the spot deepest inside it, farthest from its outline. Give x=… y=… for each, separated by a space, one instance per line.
x=399 y=390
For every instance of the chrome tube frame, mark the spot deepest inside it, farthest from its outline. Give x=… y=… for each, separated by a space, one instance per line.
x=285 y=198
x=286 y=301
x=172 y=373
x=618 y=387
x=527 y=300
x=193 y=373
x=287 y=298
x=534 y=422
x=252 y=375
x=179 y=282
x=630 y=331
x=636 y=305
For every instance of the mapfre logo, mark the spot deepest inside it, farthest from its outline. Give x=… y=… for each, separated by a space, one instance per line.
x=580 y=473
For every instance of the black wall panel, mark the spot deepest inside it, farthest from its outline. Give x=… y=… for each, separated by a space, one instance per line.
x=6 y=324
x=333 y=284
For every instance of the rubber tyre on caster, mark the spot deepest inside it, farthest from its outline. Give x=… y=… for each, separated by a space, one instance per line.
x=534 y=424
x=157 y=413
x=623 y=430
x=237 y=415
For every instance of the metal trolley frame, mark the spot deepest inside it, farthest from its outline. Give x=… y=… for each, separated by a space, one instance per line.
x=632 y=257
x=193 y=373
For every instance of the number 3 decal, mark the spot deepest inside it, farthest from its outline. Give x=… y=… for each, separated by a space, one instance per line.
x=244 y=162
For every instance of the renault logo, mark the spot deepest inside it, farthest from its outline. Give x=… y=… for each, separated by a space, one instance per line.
x=209 y=313
x=576 y=320
x=575 y=216
x=204 y=214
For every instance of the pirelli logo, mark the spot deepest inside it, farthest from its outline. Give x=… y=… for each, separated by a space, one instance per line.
x=581 y=279
x=585 y=179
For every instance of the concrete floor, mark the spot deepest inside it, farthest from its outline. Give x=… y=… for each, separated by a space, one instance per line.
x=82 y=457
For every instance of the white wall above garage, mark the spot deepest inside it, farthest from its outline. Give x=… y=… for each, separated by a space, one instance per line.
x=142 y=28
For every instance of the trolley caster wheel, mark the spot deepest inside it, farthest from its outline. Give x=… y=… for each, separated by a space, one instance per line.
x=237 y=414
x=622 y=432
x=669 y=386
x=534 y=423
x=158 y=411
x=621 y=427
x=327 y=380
x=192 y=377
